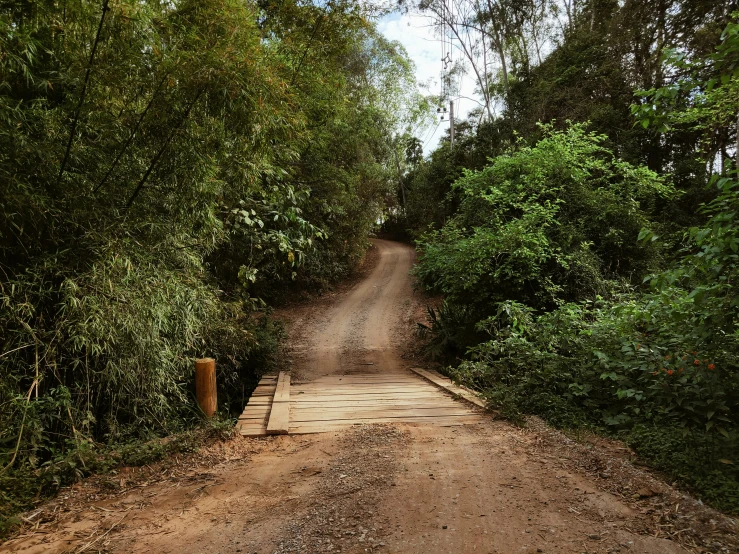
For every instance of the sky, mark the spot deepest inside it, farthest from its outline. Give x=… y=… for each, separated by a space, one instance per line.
x=416 y=34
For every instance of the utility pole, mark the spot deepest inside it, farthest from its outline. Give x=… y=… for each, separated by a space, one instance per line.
x=451 y=124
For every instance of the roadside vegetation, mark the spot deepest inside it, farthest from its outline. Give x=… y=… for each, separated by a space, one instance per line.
x=169 y=170
x=586 y=239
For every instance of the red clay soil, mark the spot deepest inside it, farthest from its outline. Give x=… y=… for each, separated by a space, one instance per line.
x=403 y=488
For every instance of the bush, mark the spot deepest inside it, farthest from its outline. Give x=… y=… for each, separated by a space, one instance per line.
x=165 y=171
x=556 y=221
x=449 y=332
x=659 y=367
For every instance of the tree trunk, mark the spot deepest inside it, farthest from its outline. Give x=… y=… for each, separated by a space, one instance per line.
x=498 y=43
x=501 y=53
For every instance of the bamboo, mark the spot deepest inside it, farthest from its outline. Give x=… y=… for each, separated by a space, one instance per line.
x=81 y=100
x=205 y=385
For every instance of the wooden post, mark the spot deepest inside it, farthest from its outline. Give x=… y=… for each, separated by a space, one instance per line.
x=205 y=385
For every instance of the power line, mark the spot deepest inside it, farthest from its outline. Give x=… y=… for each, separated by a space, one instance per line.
x=447 y=49
x=427 y=137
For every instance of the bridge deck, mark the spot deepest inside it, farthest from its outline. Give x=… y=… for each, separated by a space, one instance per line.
x=337 y=401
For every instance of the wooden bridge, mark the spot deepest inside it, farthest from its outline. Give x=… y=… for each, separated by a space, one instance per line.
x=337 y=401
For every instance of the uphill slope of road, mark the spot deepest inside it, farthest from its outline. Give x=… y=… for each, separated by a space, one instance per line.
x=363 y=330
x=403 y=488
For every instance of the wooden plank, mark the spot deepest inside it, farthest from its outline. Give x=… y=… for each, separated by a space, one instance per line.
x=263 y=401
x=377 y=408
x=249 y=429
x=418 y=403
x=339 y=401
x=364 y=378
x=279 y=415
x=253 y=433
x=299 y=417
x=446 y=384
x=329 y=408
x=262 y=416
x=251 y=426
x=256 y=409
x=416 y=383
x=378 y=375
x=410 y=378
x=328 y=397
x=282 y=390
x=347 y=383
x=402 y=373
x=334 y=425
x=372 y=413
x=253 y=420
x=365 y=390
x=399 y=419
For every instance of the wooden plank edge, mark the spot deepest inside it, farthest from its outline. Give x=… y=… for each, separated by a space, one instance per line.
x=279 y=415
x=331 y=427
x=440 y=381
x=250 y=430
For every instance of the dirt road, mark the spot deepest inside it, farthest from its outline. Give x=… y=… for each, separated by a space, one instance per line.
x=482 y=488
x=364 y=330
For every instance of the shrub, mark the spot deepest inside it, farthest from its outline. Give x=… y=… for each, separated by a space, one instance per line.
x=545 y=223
x=663 y=361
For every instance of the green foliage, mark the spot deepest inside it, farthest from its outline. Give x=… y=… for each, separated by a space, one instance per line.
x=601 y=51
x=703 y=98
x=430 y=199
x=450 y=329
x=666 y=359
x=643 y=342
x=542 y=224
x=620 y=366
x=166 y=171
x=682 y=457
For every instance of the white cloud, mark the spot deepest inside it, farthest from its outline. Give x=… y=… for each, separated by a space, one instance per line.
x=416 y=34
